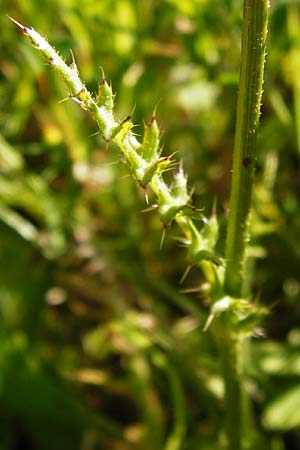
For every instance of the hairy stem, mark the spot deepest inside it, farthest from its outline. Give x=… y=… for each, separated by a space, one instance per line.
x=231 y=359
x=254 y=34
x=244 y=155
x=293 y=29
x=143 y=158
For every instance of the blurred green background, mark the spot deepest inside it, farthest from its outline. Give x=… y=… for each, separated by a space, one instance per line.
x=100 y=347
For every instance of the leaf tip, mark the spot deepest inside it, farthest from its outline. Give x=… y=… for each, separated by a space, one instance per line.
x=23 y=28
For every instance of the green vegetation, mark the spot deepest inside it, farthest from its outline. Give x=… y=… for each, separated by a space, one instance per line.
x=108 y=340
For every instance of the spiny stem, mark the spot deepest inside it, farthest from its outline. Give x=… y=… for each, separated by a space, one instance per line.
x=143 y=158
x=254 y=34
x=293 y=29
x=231 y=360
x=244 y=157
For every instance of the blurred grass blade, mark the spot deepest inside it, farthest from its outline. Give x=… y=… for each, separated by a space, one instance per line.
x=10 y=159
x=22 y=226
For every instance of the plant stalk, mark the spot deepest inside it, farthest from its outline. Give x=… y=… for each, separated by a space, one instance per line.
x=293 y=29
x=143 y=158
x=254 y=34
x=244 y=155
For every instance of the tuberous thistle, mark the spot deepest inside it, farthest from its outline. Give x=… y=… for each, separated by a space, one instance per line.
x=143 y=158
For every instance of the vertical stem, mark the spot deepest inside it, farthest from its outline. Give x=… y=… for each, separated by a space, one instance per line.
x=293 y=29
x=231 y=361
x=248 y=111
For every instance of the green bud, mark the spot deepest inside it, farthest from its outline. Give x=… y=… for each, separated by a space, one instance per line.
x=171 y=201
x=179 y=187
x=105 y=96
x=127 y=143
x=201 y=243
x=149 y=147
x=154 y=168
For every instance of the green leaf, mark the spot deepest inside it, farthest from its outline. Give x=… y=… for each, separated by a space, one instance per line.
x=283 y=413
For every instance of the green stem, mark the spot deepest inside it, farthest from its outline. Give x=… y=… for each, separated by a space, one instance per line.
x=244 y=155
x=254 y=34
x=293 y=29
x=229 y=345
x=144 y=158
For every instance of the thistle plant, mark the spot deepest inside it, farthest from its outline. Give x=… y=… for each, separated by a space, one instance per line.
x=173 y=202
x=234 y=313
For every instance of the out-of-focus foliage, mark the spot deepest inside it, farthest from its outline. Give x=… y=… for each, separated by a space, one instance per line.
x=99 y=347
